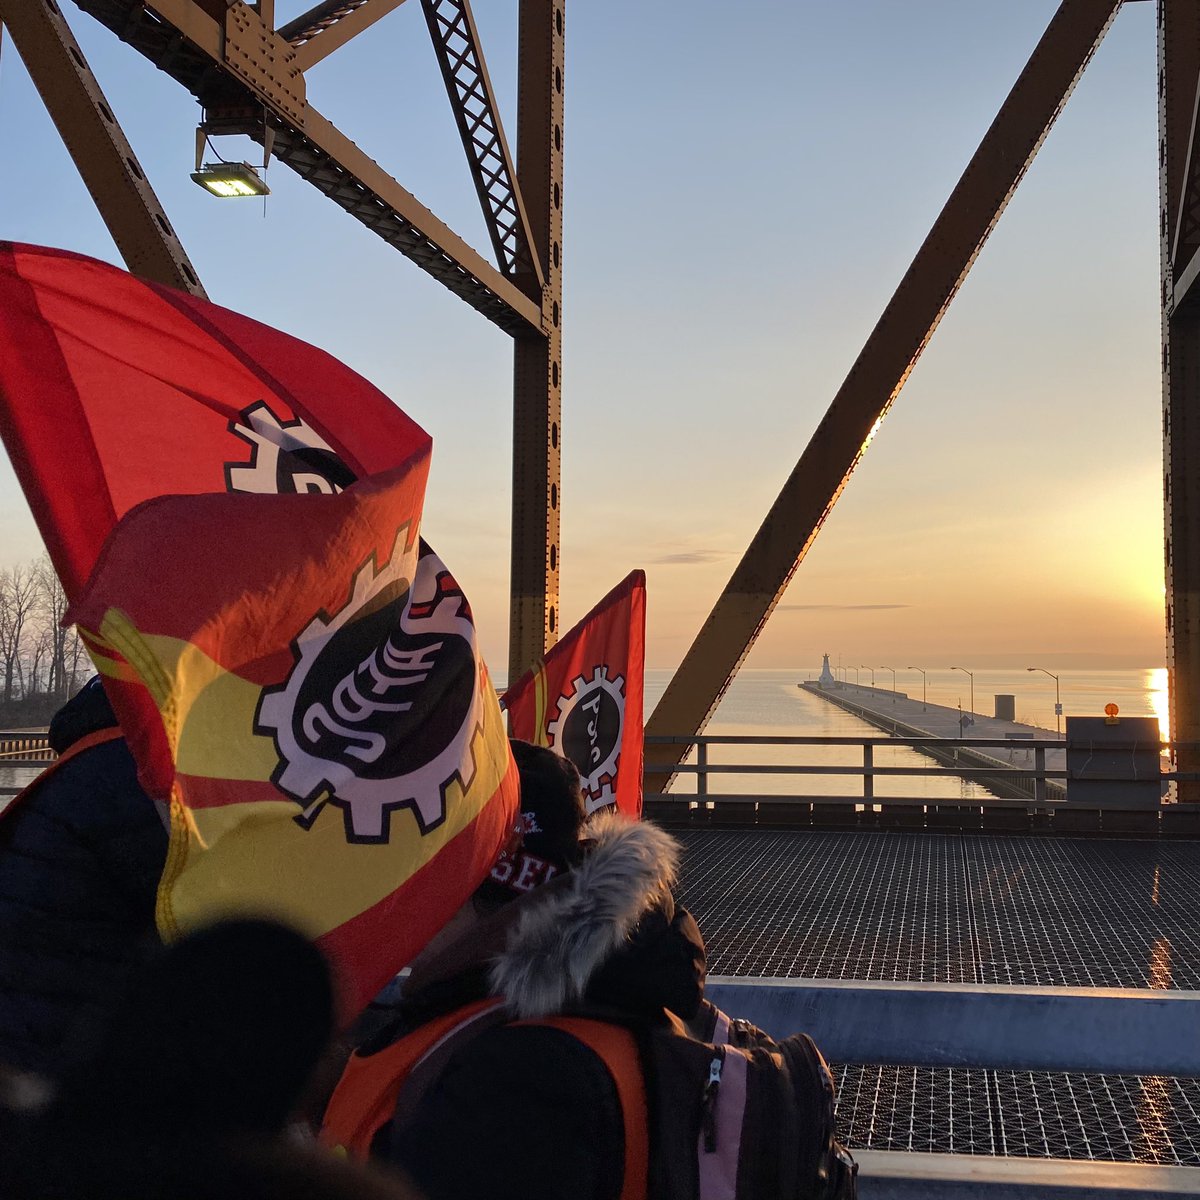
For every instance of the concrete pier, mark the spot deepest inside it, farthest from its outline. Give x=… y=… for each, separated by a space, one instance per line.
x=901 y=714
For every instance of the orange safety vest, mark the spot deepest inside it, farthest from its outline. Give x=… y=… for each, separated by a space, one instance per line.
x=365 y=1098
x=97 y=738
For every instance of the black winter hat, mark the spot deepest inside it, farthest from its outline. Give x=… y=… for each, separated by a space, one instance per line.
x=549 y=827
x=86 y=712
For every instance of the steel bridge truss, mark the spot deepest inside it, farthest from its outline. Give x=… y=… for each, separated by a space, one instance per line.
x=249 y=77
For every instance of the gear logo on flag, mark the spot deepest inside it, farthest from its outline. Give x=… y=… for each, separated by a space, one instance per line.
x=285 y=457
x=382 y=708
x=587 y=729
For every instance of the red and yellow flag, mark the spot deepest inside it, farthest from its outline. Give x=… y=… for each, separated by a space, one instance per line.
x=584 y=700
x=339 y=759
x=295 y=671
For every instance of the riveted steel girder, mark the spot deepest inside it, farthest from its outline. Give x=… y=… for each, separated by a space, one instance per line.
x=97 y=144
x=1179 y=166
x=456 y=44
x=320 y=31
x=246 y=73
x=877 y=376
x=537 y=369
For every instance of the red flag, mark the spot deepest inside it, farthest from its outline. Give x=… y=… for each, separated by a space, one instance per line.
x=584 y=700
x=337 y=757
x=114 y=391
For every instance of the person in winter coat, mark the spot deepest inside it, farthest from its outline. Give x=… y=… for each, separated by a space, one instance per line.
x=188 y=1091
x=604 y=932
x=81 y=852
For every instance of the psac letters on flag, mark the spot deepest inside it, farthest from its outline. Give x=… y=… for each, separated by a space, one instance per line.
x=338 y=756
x=584 y=700
x=114 y=391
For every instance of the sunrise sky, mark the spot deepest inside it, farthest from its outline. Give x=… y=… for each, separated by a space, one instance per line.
x=746 y=184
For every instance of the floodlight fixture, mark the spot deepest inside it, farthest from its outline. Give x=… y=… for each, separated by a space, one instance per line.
x=231 y=179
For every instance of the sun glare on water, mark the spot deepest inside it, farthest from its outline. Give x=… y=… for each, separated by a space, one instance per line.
x=1156 y=687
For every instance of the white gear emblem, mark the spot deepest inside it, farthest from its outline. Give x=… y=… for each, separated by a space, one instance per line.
x=588 y=727
x=397 y=657
x=285 y=457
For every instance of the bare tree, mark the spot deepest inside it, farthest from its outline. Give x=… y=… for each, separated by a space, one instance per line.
x=51 y=609
x=18 y=612
x=79 y=665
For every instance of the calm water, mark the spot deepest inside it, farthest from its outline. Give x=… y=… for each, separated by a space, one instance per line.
x=770 y=703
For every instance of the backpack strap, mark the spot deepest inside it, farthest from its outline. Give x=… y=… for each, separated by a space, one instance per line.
x=365 y=1098
x=617 y=1048
x=96 y=738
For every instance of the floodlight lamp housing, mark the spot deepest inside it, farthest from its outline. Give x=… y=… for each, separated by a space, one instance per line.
x=229 y=180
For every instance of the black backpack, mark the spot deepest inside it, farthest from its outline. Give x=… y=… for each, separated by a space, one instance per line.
x=735 y=1114
x=731 y=1113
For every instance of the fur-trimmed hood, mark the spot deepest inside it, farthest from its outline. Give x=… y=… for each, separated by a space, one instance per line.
x=559 y=944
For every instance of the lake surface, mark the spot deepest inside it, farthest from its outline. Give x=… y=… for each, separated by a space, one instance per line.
x=769 y=702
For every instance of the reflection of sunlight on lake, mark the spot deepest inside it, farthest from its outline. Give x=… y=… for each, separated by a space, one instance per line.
x=1156 y=686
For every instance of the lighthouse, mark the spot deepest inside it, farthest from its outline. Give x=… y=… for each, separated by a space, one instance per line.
x=826 y=679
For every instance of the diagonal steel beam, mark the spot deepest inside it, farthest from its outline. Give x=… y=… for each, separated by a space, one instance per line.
x=247 y=74
x=877 y=376
x=97 y=144
x=456 y=43
x=321 y=30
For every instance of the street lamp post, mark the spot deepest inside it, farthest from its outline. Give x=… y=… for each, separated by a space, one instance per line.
x=922 y=670
x=872 y=670
x=856 y=676
x=893 y=671
x=971 y=676
x=1057 y=698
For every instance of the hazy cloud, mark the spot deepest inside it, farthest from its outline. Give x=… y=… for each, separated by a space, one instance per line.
x=838 y=607
x=685 y=557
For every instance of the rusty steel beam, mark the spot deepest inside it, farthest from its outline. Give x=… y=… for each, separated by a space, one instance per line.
x=246 y=75
x=1179 y=76
x=97 y=144
x=537 y=362
x=321 y=30
x=318 y=19
x=464 y=71
x=877 y=376
x=1182 y=250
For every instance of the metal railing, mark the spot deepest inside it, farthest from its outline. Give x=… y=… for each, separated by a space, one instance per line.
x=1033 y=792
x=957 y=757
x=22 y=748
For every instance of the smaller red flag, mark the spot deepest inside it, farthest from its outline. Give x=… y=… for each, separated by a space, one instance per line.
x=584 y=699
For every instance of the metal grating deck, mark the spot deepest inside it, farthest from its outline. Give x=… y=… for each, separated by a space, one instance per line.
x=952 y=909
x=968 y=909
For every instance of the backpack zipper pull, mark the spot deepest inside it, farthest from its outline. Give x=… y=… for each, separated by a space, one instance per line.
x=708 y=1116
